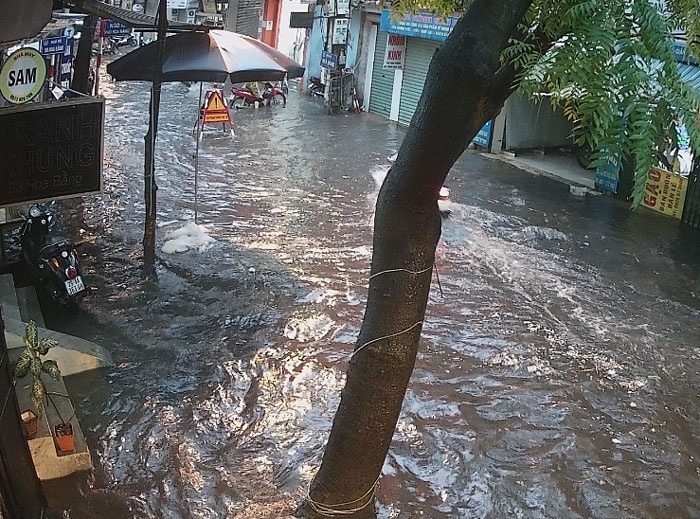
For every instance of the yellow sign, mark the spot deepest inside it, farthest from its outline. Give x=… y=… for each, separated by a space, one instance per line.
x=665 y=192
x=215 y=102
x=22 y=75
x=215 y=110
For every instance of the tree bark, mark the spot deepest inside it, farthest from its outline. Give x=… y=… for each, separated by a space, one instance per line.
x=465 y=87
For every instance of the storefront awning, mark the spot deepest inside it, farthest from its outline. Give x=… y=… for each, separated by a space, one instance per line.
x=138 y=21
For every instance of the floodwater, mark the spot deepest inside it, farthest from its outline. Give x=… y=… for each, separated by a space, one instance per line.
x=558 y=370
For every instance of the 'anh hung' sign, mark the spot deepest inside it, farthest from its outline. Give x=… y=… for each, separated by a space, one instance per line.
x=51 y=150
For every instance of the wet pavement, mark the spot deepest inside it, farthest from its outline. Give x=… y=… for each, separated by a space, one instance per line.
x=558 y=369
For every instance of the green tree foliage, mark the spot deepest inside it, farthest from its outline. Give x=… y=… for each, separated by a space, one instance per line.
x=611 y=65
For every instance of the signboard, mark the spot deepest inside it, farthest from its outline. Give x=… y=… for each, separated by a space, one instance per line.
x=51 y=150
x=665 y=192
x=483 y=137
x=22 y=75
x=55 y=45
x=191 y=15
x=177 y=4
x=329 y=60
x=395 y=51
x=215 y=110
x=419 y=25
x=116 y=29
x=340 y=31
x=342 y=7
x=66 y=66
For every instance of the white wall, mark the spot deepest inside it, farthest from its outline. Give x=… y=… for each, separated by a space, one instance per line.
x=291 y=41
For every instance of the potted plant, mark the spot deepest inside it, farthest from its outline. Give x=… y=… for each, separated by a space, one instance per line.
x=30 y=423
x=31 y=362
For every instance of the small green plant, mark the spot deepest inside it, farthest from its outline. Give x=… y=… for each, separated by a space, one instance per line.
x=31 y=362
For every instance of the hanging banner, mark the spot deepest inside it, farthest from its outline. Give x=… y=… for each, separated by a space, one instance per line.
x=418 y=25
x=665 y=192
x=66 y=66
x=395 y=51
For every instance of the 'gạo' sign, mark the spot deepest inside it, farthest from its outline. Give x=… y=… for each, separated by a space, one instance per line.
x=22 y=75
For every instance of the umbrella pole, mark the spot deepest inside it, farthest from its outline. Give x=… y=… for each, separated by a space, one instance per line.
x=150 y=187
x=196 y=155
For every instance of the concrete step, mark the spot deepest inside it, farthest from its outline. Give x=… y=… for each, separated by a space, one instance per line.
x=8 y=297
x=29 y=307
x=49 y=462
x=73 y=354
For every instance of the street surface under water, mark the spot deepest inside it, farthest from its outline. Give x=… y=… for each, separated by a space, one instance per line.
x=558 y=369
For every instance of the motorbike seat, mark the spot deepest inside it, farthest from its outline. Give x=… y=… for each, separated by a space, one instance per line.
x=54 y=243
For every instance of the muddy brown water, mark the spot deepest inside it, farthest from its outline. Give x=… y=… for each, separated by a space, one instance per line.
x=558 y=370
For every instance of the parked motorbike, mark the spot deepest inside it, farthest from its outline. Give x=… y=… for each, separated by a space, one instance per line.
x=50 y=259
x=316 y=88
x=128 y=40
x=243 y=97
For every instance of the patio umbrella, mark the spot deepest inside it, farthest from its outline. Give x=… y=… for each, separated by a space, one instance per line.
x=194 y=56
x=210 y=56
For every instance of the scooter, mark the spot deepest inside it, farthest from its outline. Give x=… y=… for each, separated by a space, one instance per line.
x=245 y=98
x=274 y=95
x=128 y=40
x=316 y=88
x=50 y=259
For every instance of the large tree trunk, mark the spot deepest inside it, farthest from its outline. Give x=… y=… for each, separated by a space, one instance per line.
x=465 y=87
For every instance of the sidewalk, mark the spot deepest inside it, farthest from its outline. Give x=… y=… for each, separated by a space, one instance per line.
x=558 y=165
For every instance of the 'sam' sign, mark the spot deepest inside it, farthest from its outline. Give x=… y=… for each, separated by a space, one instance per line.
x=395 y=51
x=22 y=75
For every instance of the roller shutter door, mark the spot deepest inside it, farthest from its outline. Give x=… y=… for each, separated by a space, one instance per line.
x=418 y=55
x=382 y=80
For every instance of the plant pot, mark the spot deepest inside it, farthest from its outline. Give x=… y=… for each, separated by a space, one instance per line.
x=65 y=440
x=30 y=423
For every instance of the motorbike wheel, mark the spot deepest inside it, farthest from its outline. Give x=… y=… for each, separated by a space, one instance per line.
x=278 y=99
x=237 y=102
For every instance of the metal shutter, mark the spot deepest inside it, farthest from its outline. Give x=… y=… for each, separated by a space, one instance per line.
x=248 y=20
x=418 y=55
x=382 y=80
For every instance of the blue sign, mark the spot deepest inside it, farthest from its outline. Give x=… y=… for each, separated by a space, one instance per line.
x=116 y=29
x=483 y=138
x=66 y=66
x=681 y=55
x=329 y=60
x=419 y=25
x=608 y=177
x=55 y=45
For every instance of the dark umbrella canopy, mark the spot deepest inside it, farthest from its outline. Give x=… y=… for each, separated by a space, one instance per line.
x=207 y=56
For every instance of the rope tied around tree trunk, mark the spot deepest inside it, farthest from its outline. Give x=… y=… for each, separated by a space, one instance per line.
x=339 y=509
x=388 y=271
